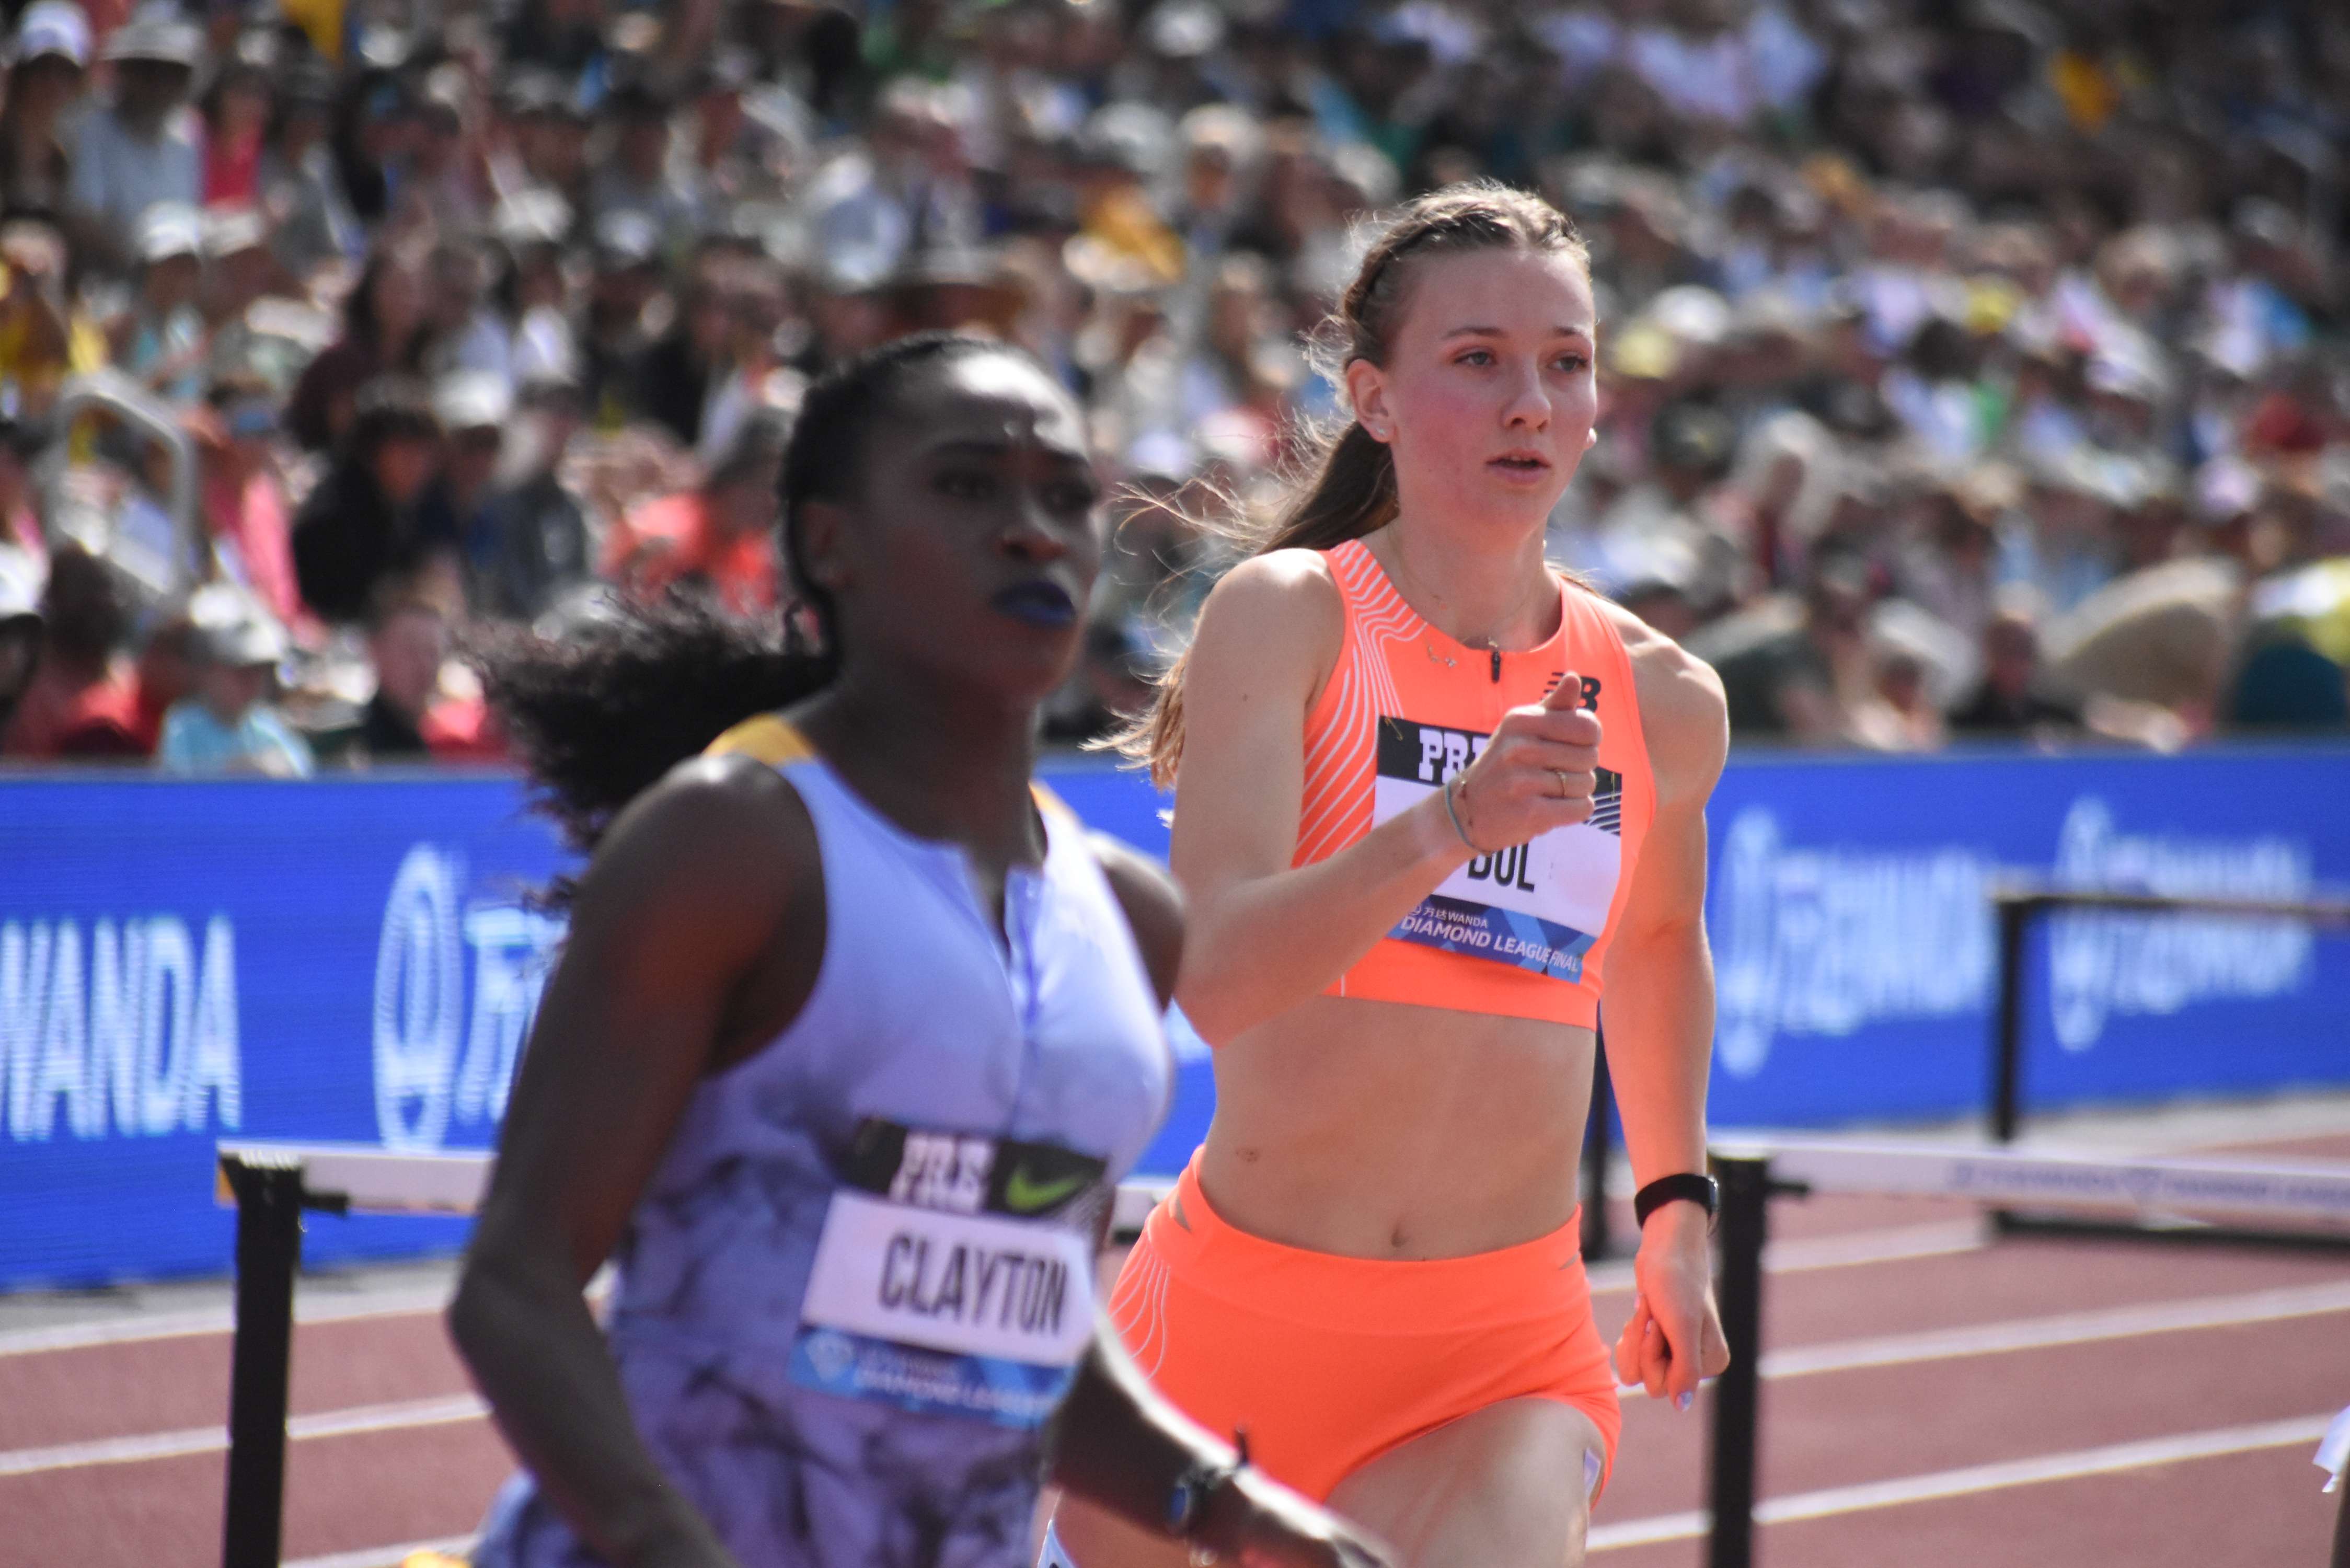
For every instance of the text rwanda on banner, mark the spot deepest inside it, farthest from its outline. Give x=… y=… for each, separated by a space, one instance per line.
x=348 y=961
x=357 y=960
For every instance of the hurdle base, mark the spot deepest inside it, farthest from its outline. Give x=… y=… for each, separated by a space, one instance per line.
x=2171 y=1232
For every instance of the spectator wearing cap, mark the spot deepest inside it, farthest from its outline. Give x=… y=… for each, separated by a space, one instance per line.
x=538 y=541
x=48 y=59
x=143 y=146
x=384 y=333
x=439 y=170
x=81 y=702
x=301 y=196
x=361 y=527
x=548 y=136
x=239 y=271
x=717 y=536
x=472 y=407
x=639 y=176
x=161 y=339
x=628 y=279
x=243 y=496
x=228 y=724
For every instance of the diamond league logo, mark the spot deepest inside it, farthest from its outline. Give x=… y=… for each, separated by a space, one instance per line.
x=830 y=1353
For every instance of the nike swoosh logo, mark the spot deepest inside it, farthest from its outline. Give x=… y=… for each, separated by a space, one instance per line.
x=1026 y=1197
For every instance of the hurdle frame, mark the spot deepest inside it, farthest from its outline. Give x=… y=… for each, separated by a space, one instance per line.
x=272 y=1186
x=1750 y=1180
x=2017 y=906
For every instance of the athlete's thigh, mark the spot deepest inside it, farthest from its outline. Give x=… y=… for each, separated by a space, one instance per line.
x=1096 y=1538
x=1501 y=1488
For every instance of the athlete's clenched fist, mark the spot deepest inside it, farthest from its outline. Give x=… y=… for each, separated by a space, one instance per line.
x=1536 y=773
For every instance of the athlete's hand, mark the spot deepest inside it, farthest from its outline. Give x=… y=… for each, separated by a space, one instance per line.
x=1255 y=1522
x=1536 y=773
x=1675 y=1334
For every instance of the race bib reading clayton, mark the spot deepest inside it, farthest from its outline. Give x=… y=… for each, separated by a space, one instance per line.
x=1538 y=906
x=954 y=1275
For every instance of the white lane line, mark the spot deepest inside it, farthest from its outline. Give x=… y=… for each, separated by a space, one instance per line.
x=1972 y=1479
x=329 y=1308
x=1891 y=1244
x=1801 y=1361
x=344 y=1423
x=2064 y=1328
x=214 y=1320
x=384 y=1556
x=2041 y=1332
x=1853 y=1248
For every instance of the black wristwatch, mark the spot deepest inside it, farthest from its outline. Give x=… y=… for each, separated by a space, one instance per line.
x=1687 y=1186
x=1187 y=1499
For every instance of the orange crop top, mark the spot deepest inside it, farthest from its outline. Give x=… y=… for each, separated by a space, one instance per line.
x=1522 y=932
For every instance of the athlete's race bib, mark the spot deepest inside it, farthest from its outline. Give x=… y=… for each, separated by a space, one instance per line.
x=1539 y=906
x=954 y=1275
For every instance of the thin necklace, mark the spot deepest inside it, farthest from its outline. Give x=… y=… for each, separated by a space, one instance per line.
x=1492 y=645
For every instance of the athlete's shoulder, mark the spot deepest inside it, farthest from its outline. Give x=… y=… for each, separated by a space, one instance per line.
x=1153 y=906
x=1287 y=583
x=1684 y=716
x=724 y=828
x=1281 y=606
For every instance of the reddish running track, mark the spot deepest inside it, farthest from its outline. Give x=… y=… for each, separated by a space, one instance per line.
x=1928 y=1398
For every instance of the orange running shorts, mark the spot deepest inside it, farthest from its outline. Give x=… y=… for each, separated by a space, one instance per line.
x=1328 y=1362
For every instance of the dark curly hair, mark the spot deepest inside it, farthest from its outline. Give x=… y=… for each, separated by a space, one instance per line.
x=600 y=711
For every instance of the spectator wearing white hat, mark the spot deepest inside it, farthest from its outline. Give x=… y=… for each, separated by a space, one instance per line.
x=142 y=148
x=47 y=61
x=161 y=339
x=472 y=407
x=229 y=725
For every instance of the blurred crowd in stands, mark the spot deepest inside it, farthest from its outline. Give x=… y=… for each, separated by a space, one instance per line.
x=1969 y=366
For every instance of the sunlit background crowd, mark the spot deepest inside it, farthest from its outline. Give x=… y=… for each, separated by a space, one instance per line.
x=1969 y=368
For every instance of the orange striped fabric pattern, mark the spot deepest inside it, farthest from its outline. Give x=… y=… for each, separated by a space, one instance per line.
x=1398 y=675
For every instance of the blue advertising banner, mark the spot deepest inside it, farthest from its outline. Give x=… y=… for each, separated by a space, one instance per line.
x=357 y=960
x=349 y=961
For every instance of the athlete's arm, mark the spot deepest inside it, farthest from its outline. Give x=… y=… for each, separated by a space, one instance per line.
x=1659 y=1015
x=687 y=892
x=1265 y=936
x=1153 y=906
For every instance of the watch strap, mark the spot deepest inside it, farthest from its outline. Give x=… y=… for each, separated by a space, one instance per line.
x=1686 y=1186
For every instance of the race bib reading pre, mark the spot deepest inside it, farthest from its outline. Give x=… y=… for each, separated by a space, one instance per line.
x=930 y=1289
x=1538 y=906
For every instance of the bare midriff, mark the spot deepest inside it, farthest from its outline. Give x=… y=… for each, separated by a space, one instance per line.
x=1382 y=1129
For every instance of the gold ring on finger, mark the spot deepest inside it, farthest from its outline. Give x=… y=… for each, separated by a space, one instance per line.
x=1565 y=791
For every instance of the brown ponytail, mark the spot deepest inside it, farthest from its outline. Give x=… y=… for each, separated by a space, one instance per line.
x=1345 y=487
